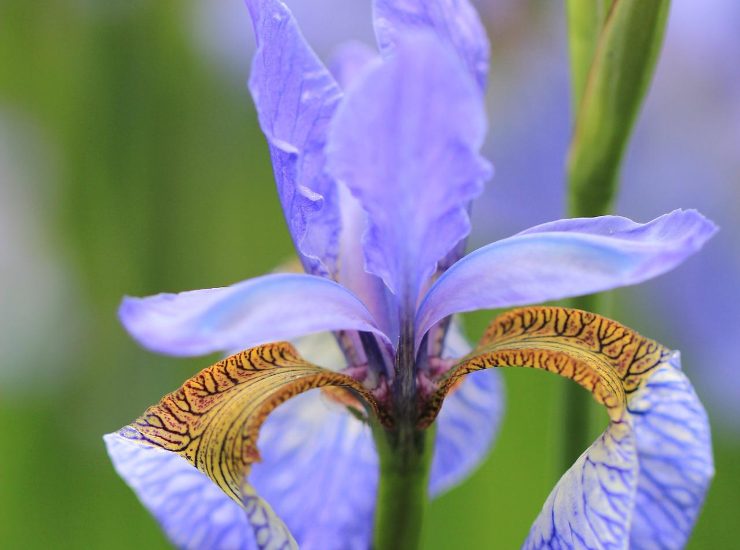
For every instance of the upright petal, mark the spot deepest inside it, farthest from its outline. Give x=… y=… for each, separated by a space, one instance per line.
x=296 y=96
x=455 y=22
x=405 y=141
x=562 y=259
x=642 y=483
x=256 y=311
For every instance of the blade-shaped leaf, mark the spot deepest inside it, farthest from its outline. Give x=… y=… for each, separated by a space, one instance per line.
x=585 y=21
x=213 y=421
x=619 y=76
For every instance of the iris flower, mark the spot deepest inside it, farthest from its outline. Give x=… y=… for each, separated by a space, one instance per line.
x=376 y=163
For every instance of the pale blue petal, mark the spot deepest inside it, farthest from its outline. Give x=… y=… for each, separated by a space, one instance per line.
x=192 y=510
x=455 y=22
x=256 y=311
x=319 y=472
x=562 y=259
x=466 y=428
x=296 y=96
x=347 y=65
x=675 y=453
x=641 y=485
x=349 y=60
x=591 y=506
x=405 y=141
x=468 y=421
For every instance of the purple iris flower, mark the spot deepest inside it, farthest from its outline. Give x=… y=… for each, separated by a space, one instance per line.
x=376 y=163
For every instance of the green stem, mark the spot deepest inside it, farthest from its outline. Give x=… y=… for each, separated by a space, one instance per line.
x=402 y=491
x=577 y=401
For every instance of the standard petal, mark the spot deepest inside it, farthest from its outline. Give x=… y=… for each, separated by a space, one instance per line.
x=454 y=21
x=405 y=141
x=562 y=259
x=192 y=510
x=319 y=472
x=349 y=60
x=256 y=311
x=675 y=453
x=296 y=96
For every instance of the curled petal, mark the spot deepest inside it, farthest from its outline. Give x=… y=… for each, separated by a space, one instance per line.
x=192 y=510
x=675 y=453
x=562 y=259
x=264 y=309
x=468 y=421
x=455 y=22
x=213 y=422
x=296 y=96
x=319 y=472
x=405 y=141
x=642 y=483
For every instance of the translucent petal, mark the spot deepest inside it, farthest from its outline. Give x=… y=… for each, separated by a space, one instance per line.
x=296 y=96
x=455 y=22
x=264 y=309
x=562 y=259
x=405 y=141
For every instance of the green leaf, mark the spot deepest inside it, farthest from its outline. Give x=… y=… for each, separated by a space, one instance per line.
x=621 y=70
x=585 y=21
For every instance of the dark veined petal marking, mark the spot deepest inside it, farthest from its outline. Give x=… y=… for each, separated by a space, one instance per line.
x=213 y=421
x=651 y=467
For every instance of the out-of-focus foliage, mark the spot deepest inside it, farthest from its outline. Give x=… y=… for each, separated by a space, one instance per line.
x=131 y=162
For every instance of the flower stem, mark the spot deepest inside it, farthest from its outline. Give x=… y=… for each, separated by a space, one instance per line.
x=405 y=458
x=577 y=406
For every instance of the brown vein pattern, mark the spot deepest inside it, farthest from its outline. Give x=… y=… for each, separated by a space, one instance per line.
x=605 y=357
x=213 y=419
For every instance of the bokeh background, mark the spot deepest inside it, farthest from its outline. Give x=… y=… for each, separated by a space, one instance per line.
x=131 y=163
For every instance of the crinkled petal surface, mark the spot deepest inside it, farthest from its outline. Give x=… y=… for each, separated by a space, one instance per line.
x=319 y=472
x=675 y=455
x=296 y=96
x=562 y=259
x=405 y=141
x=642 y=483
x=256 y=311
x=455 y=22
x=212 y=423
x=192 y=510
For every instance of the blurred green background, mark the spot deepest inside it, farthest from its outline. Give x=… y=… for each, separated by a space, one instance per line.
x=131 y=163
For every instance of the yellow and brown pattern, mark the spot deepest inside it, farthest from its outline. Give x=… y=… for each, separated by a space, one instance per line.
x=605 y=357
x=213 y=419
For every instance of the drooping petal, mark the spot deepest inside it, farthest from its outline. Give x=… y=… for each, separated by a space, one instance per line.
x=562 y=259
x=264 y=309
x=468 y=421
x=296 y=96
x=405 y=141
x=675 y=453
x=455 y=22
x=642 y=483
x=212 y=422
x=192 y=510
x=591 y=506
x=319 y=472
